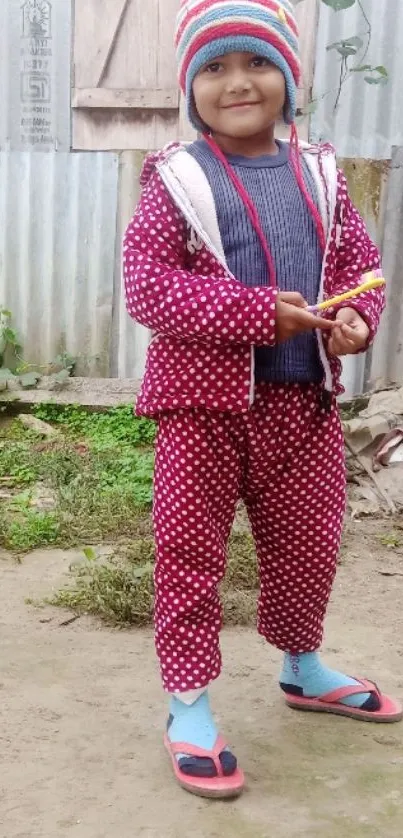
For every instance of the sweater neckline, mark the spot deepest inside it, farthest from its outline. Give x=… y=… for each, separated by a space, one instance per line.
x=264 y=161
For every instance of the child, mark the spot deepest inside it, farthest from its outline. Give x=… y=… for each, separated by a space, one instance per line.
x=234 y=236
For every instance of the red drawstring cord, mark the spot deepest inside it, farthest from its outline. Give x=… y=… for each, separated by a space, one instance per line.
x=295 y=157
x=249 y=205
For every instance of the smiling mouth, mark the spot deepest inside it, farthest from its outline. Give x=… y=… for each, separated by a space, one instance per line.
x=239 y=105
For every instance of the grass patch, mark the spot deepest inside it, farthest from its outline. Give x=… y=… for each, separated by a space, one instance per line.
x=350 y=409
x=23 y=528
x=18 y=463
x=392 y=540
x=105 y=430
x=34 y=529
x=99 y=470
x=120 y=590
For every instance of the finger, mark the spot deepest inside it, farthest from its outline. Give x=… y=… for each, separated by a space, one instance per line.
x=334 y=348
x=341 y=346
x=349 y=348
x=338 y=341
x=342 y=349
x=336 y=345
x=331 y=347
x=337 y=334
x=307 y=322
x=293 y=298
x=355 y=336
x=346 y=315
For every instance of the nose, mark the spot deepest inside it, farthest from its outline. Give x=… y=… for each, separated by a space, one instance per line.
x=238 y=82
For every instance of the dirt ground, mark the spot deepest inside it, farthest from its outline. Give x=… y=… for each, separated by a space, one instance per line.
x=81 y=716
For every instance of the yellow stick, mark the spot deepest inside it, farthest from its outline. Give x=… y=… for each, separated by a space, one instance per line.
x=376 y=282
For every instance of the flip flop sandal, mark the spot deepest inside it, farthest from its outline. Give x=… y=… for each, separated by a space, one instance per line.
x=219 y=786
x=389 y=710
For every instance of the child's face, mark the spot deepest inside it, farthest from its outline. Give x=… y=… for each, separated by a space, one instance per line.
x=239 y=95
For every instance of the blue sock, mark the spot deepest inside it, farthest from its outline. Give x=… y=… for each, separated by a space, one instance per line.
x=305 y=675
x=195 y=725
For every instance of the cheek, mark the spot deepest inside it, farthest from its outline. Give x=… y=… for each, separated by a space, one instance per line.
x=203 y=96
x=277 y=90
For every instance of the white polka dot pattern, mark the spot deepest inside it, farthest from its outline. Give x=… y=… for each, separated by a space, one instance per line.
x=206 y=321
x=285 y=457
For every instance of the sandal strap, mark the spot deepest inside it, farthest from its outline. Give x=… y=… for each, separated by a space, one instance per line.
x=177 y=748
x=338 y=695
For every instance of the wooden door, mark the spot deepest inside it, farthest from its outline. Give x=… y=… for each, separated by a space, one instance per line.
x=125 y=92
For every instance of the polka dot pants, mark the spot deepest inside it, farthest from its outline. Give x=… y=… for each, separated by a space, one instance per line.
x=285 y=458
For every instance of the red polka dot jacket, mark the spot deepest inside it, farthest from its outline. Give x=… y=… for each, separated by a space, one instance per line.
x=205 y=323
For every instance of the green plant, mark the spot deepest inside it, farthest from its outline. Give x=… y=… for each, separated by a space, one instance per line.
x=8 y=341
x=130 y=470
x=8 y=335
x=351 y=49
x=17 y=463
x=27 y=375
x=117 y=592
x=105 y=430
x=98 y=471
x=353 y=52
x=391 y=540
x=30 y=529
x=62 y=368
x=114 y=438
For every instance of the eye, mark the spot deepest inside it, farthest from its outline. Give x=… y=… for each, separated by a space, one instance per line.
x=260 y=61
x=214 y=67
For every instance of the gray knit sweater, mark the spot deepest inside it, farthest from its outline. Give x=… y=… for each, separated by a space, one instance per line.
x=291 y=233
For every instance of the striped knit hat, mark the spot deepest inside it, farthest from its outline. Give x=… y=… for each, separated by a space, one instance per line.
x=206 y=29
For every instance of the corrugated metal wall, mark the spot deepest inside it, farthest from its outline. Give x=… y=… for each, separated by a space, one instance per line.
x=58 y=215
x=369 y=119
x=130 y=340
x=366 y=125
x=62 y=215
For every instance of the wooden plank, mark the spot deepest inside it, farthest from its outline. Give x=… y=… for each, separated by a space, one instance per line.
x=113 y=42
x=163 y=36
x=97 y=27
x=307 y=15
x=185 y=131
x=142 y=60
x=125 y=129
x=101 y=97
x=134 y=61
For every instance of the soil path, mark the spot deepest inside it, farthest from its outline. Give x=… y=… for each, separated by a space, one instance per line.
x=81 y=719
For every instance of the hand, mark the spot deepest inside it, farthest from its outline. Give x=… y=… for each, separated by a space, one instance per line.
x=291 y=318
x=350 y=335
